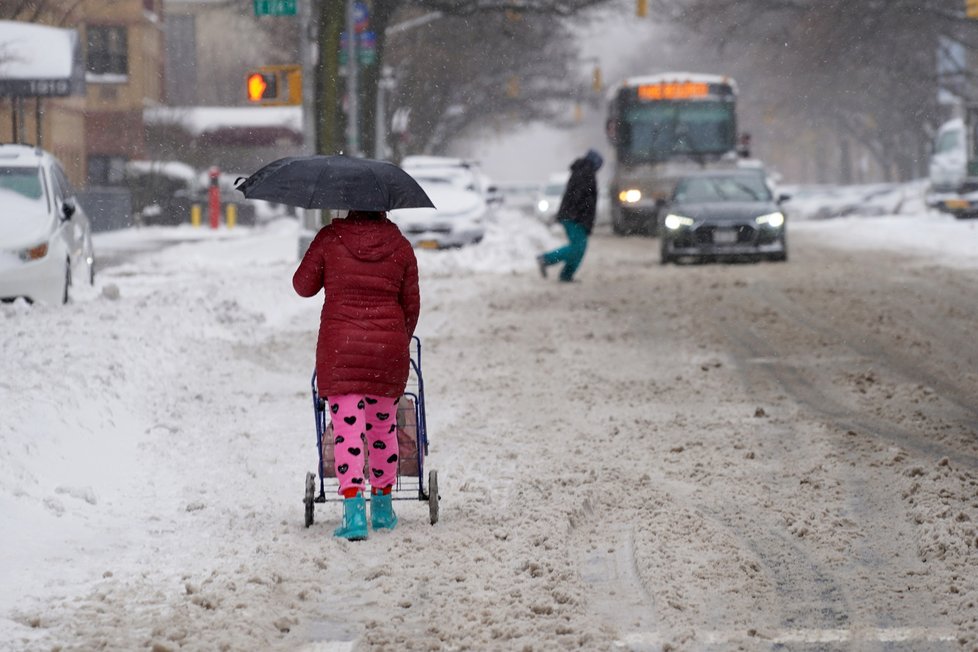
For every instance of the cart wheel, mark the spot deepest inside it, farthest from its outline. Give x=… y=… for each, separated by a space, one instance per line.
x=433 y=496
x=309 y=498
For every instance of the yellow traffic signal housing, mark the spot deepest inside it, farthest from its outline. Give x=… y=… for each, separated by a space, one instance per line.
x=641 y=8
x=274 y=85
x=513 y=87
x=596 y=82
x=971 y=8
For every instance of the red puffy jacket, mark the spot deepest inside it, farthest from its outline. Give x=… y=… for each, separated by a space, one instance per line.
x=371 y=307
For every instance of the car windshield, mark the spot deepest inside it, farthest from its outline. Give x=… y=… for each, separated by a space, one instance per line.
x=722 y=189
x=23 y=181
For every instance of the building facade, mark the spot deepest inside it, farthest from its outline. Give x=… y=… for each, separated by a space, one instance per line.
x=95 y=134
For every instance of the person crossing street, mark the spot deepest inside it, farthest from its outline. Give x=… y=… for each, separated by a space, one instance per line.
x=576 y=214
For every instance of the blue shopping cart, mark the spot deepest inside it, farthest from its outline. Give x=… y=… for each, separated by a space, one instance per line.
x=412 y=440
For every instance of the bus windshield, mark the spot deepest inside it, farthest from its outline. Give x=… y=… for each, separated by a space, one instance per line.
x=657 y=131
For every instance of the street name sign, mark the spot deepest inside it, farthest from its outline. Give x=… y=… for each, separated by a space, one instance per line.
x=275 y=7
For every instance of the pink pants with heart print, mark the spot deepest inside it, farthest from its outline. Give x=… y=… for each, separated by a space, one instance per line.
x=364 y=422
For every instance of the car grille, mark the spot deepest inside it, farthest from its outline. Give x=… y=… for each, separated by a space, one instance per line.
x=705 y=234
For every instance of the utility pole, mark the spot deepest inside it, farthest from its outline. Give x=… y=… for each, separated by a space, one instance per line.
x=327 y=91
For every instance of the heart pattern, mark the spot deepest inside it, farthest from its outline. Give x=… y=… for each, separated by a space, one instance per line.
x=380 y=449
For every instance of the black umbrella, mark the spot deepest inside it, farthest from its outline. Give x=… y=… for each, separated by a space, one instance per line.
x=339 y=182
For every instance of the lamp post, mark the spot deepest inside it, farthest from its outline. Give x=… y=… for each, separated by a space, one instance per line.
x=352 y=74
x=385 y=84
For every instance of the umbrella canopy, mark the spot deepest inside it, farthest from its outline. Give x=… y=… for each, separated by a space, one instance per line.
x=338 y=182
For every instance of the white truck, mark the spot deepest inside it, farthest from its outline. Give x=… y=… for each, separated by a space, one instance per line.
x=954 y=167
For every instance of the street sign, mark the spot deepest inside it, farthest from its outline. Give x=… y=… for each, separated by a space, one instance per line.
x=366 y=48
x=361 y=16
x=275 y=7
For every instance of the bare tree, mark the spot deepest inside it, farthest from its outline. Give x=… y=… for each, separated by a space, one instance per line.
x=863 y=70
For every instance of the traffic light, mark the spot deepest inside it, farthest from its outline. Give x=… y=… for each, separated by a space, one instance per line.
x=641 y=8
x=262 y=87
x=971 y=8
x=596 y=82
x=279 y=85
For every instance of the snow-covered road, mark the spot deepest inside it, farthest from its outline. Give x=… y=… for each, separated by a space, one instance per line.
x=772 y=456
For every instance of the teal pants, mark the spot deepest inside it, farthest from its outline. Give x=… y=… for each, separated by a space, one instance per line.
x=572 y=253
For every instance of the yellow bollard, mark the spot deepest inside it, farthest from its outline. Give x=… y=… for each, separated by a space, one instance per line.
x=232 y=215
x=195 y=213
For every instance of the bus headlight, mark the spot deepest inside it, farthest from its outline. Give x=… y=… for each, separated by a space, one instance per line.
x=674 y=222
x=630 y=196
x=774 y=220
x=543 y=205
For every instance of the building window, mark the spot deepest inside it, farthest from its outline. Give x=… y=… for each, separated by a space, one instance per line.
x=108 y=52
x=106 y=170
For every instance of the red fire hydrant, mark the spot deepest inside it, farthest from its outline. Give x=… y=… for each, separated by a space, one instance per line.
x=214 y=197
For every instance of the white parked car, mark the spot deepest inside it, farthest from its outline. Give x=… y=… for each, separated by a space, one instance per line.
x=458 y=219
x=45 y=236
x=464 y=173
x=548 y=199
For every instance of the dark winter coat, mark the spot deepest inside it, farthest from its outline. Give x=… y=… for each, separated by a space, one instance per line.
x=371 y=307
x=580 y=200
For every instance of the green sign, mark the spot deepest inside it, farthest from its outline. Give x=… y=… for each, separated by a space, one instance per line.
x=275 y=7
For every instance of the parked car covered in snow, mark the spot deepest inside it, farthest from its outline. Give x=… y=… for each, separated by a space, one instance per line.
x=464 y=173
x=45 y=235
x=458 y=219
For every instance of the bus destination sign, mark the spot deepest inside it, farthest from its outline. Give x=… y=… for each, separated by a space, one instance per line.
x=673 y=91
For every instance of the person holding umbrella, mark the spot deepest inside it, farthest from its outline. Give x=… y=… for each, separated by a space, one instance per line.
x=371 y=308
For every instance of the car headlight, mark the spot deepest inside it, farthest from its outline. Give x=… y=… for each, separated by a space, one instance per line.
x=34 y=253
x=543 y=205
x=773 y=220
x=630 y=196
x=674 y=222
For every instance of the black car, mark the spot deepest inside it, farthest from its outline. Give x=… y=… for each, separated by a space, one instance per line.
x=720 y=215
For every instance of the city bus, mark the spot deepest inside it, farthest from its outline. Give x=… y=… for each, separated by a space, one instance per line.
x=662 y=127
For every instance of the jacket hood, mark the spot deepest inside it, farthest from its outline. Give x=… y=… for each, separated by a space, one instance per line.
x=583 y=164
x=368 y=239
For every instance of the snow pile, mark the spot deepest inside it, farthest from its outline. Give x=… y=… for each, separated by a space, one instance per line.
x=934 y=237
x=511 y=244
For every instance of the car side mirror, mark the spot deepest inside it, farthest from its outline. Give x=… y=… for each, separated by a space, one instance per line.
x=782 y=198
x=660 y=202
x=68 y=209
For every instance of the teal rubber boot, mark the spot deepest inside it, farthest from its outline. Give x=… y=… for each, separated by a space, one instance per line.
x=382 y=516
x=354 y=526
